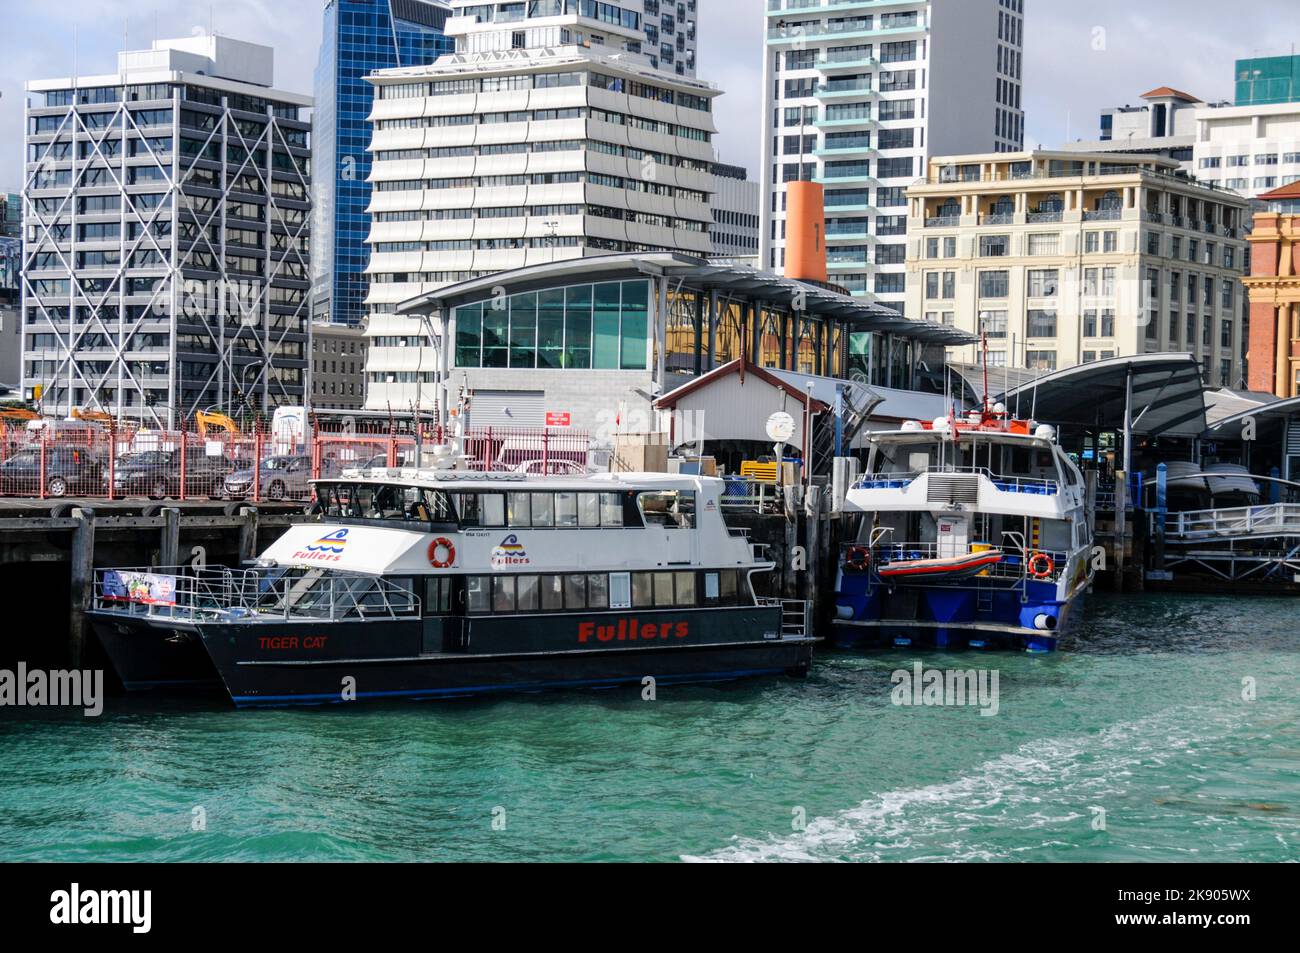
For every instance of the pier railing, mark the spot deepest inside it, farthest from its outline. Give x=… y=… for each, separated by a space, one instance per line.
x=87 y=459
x=1245 y=522
x=250 y=595
x=1007 y=484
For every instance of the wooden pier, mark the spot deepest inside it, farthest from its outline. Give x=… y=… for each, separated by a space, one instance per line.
x=49 y=551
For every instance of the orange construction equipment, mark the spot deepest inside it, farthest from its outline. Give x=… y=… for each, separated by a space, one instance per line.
x=92 y=416
x=203 y=420
x=18 y=414
x=805 y=238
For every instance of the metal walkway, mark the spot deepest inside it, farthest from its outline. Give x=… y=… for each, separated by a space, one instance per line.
x=1238 y=543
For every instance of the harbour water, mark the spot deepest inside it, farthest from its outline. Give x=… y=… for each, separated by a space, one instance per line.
x=1141 y=716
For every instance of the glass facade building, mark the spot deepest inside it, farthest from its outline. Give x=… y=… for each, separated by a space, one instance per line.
x=360 y=36
x=605 y=326
x=1268 y=80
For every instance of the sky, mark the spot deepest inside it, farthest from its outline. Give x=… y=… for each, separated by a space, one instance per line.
x=1079 y=58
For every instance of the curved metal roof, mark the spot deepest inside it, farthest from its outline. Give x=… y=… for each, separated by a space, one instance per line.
x=737 y=281
x=1230 y=428
x=1168 y=396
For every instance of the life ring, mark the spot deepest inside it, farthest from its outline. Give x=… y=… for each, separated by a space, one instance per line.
x=858 y=558
x=1041 y=566
x=443 y=543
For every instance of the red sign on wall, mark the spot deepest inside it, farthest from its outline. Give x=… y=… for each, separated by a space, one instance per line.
x=554 y=419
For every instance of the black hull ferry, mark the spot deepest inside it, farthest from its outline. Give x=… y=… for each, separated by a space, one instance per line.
x=426 y=584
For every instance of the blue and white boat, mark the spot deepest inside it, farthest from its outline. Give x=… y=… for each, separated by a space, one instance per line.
x=971 y=532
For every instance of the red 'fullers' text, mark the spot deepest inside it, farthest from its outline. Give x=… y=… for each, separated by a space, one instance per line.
x=630 y=630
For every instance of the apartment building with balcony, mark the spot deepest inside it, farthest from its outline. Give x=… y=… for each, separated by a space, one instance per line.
x=547 y=136
x=671 y=35
x=1060 y=258
x=166 y=211
x=857 y=96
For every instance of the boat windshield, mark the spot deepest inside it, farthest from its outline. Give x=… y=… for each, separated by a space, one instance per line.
x=388 y=502
x=320 y=594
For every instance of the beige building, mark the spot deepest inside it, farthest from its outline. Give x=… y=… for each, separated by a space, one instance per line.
x=1063 y=258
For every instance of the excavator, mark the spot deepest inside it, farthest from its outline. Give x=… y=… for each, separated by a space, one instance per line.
x=92 y=416
x=208 y=419
x=17 y=415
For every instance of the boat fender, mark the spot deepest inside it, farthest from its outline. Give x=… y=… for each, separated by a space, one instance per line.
x=858 y=558
x=1045 y=622
x=445 y=545
x=1041 y=565
x=844 y=612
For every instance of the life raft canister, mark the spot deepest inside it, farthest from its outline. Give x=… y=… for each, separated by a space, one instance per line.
x=1041 y=565
x=444 y=544
x=858 y=558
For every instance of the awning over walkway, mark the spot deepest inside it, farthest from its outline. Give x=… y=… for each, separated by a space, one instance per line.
x=734 y=280
x=1268 y=417
x=1167 y=396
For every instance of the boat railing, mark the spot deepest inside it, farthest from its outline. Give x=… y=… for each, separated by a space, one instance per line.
x=1015 y=562
x=186 y=594
x=796 y=621
x=1006 y=484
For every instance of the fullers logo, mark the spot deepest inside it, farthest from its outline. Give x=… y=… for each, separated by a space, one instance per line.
x=509 y=552
x=328 y=548
x=632 y=630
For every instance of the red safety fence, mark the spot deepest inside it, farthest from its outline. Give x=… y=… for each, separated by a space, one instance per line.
x=93 y=461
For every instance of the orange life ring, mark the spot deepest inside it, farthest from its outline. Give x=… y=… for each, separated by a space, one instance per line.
x=858 y=558
x=442 y=542
x=1041 y=565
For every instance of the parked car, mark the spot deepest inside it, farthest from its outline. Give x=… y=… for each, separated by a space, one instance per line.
x=157 y=473
x=65 y=470
x=279 y=478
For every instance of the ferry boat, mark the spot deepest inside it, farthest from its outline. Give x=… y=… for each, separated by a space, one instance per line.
x=443 y=582
x=972 y=532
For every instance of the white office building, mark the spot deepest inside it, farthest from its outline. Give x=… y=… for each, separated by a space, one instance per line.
x=857 y=96
x=166 y=254
x=670 y=35
x=547 y=136
x=1249 y=149
x=735 y=213
x=1163 y=125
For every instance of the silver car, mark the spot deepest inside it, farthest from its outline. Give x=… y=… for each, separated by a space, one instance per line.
x=279 y=478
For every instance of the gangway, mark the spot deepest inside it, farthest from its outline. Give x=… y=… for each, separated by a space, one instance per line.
x=1236 y=543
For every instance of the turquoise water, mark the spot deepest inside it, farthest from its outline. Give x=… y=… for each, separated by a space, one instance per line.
x=1142 y=716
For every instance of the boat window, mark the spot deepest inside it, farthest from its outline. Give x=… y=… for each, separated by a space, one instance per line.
x=611 y=509
x=389 y=503
x=711 y=589
x=663 y=589
x=685 y=584
x=620 y=590
x=518 y=513
x=672 y=509
x=492 y=509
x=728 y=580
x=543 y=509
x=437 y=595
x=476 y=593
x=588 y=509
x=642 y=590
x=552 y=593
x=598 y=591
x=575 y=592
x=566 y=509
x=526 y=593
x=503 y=593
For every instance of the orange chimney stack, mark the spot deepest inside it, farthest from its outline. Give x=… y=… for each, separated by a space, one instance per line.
x=805 y=239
